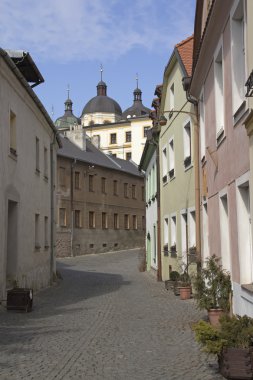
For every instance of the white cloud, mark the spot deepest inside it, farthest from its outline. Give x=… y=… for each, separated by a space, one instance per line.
x=82 y=29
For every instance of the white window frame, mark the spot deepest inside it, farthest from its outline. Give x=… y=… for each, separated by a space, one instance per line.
x=202 y=125
x=191 y=227
x=173 y=229
x=224 y=229
x=164 y=162
x=172 y=96
x=219 y=91
x=171 y=149
x=187 y=138
x=238 y=59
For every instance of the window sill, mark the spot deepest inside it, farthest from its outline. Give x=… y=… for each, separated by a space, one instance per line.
x=220 y=140
x=13 y=154
x=188 y=167
x=46 y=247
x=239 y=113
x=37 y=248
x=247 y=287
x=37 y=172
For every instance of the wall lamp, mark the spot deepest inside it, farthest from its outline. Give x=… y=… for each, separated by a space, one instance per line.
x=162 y=121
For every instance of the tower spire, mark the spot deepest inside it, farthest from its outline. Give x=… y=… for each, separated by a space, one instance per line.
x=68 y=90
x=137 y=80
x=101 y=71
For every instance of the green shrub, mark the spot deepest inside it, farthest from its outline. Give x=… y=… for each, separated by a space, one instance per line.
x=174 y=276
x=233 y=331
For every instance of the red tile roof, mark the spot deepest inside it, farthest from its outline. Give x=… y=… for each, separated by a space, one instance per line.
x=185 y=50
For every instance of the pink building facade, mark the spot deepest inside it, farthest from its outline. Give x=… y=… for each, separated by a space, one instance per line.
x=218 y=84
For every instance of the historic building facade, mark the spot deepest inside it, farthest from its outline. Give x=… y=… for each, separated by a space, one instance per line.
x=100 y=199
x=28 y=144
x=221 y=68
x=121 y=134
x=176 y=150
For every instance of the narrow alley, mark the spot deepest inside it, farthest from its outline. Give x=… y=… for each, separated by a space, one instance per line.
x=104 y=320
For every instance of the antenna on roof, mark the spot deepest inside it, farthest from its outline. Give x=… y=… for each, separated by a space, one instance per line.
x=101 y=71
x=137 y=80
x=68 y=89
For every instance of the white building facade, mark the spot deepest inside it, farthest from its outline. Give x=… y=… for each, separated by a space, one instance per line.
x=28 y=144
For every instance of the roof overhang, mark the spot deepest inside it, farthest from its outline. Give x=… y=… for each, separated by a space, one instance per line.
x=26 y=66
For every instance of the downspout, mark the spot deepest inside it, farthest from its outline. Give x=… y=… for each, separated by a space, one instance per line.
x=197 y=181
x=52 y=216
x=72 y=206
x=159 y=257
x=192 y=100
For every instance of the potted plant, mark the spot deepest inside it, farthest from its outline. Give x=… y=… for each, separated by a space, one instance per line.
x=185 y=286
x=212 y=289
x=174 y=277
x=232 y=342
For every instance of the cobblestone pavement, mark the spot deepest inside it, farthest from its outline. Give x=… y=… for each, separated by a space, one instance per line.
x=104 y=320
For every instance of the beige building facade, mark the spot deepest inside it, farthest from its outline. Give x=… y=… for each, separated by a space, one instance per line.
x=100 y=201
x=28 y=144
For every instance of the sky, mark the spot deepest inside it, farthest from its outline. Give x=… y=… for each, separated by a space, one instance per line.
x=70 y=39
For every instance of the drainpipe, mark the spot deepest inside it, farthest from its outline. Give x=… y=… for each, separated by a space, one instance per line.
x=186 y=85
x=72 y=206
x=52 y=216
x=159 y=258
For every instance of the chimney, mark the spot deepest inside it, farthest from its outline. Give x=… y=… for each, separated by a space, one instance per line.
x=77 y=135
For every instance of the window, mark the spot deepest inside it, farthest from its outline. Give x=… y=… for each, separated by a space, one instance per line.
x=45 y=163
x=244 y=229
x=78 y=222
x=116 y=221
x=126 y=190
x=166 y=231
x=128 y=156
x=104 y=220
x=46 y=232
x=126 y=222
x=37 y=149
x=134 y=222
x=128 y=136
x=172 y=97
x=134 y=191
x=173 y=231
x=91 y=219
x=192 y=229
x=238 y=56
x=202 y=127
x=62 y=176
x=205 y=246
x=142 y=193
x=171 y=159
x=165 y=164
x=13 y=134
x=91 y=182
x=103 y=185
x=143 y=222
x=187 y=144
x=145 y=131
x=113 y=138
x=37 y=231
x=219 y=94
x=62 y=217
x=184 y=235
x=115 y=187
x=224 y=232
x=77 y=180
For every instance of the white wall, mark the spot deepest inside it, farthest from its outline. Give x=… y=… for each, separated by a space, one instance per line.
x=21 y=183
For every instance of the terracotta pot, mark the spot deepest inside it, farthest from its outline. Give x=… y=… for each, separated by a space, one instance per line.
x=185 y=292
x=214 y=316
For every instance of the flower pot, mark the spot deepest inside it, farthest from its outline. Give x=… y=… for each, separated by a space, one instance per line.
x=236 y=363
x=185 y=292
x=214 y=316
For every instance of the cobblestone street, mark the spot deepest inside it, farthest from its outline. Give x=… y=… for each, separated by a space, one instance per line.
x=104 y=320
